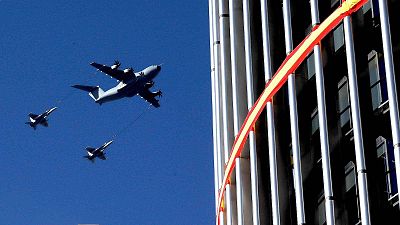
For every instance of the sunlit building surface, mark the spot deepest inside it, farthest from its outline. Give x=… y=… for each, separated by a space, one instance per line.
x=325 y=150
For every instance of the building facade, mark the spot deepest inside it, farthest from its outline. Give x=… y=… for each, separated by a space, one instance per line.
x=326 y=149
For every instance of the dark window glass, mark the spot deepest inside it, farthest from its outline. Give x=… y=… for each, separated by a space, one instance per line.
x=343 y=102
x=320 y=218
x=338 y=38
x=350 y=176
x=310 y=66
x=366 y=7
x=374 y=80
x=351 y=196
x=314 y=121
x=385 y=152
x=334 y=3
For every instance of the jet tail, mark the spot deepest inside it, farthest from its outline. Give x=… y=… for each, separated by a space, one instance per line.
x=89 y=158
x=31 y=124
x=90 y=149
x=94 y=91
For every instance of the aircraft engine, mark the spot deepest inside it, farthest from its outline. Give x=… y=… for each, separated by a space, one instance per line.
x=157 y=93
x=149 y=84
x=128 y=70
x=115 y=65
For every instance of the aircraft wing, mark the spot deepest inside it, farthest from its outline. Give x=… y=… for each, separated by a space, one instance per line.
x=103 y=157
x=44 y=123
x=115 y=73
x=149 y=97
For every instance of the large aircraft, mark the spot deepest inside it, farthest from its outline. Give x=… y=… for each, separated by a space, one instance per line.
x=92 y=153
x=39 y=119
x=130 y=84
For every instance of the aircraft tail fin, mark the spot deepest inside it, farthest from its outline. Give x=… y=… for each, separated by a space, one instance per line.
x=94 y=91
x=31 y=124
x=33 y=116
x=90 y=149
x=97 y=93
x=89 y=158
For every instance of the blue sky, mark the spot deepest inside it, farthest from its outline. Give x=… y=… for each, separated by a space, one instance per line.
x=159 y=170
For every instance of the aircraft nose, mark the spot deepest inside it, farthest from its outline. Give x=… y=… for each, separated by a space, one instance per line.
x=158 y=67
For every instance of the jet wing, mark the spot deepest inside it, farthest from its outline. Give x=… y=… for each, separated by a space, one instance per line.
x=103 y=157
x=115 y=73
x=149 y=97
x=44 y=123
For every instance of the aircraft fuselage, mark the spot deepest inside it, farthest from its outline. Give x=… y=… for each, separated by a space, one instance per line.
x=98 y=152
x=130 y=87
x=41 y=119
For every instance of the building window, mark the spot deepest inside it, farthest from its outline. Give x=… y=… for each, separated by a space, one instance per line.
x=310 y=66
x=314 y=121
x=344 y=104
x=373 y=6
x=350 y=176
x=385 y=153
x=338 y=37
x=366 y=7
x=334 y=3
x=376 y=80
x=351 y=194
x=320 y=212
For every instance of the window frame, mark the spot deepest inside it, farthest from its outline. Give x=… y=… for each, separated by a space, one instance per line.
x=347 y=109
x=311 y=58
x=374 y=60
x=382 y=142
x=320 y=210
x=334 y=34
x=314 y=117
x=350 y=170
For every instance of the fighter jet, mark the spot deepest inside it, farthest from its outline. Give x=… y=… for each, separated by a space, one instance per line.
x=97 y=152
x=40 y=119
x=130 y=84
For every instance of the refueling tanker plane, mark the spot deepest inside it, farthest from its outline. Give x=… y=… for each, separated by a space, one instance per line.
x=130 y=84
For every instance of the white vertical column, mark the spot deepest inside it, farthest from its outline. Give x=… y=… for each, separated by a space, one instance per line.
x=270 y=116
x=238 y=94
x=294 y=127
x=356 y=121
x=250 y=102
x=210 y=7
x=226 y=89
x=217 y=94
x=391 y=84
x=322 y=120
